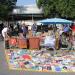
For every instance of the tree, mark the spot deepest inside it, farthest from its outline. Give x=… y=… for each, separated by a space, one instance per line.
x=6 y=6
x=58 y=8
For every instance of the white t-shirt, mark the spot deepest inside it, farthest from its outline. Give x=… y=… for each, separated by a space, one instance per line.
x=60 y=31
x=29 y=27
x=4 y=31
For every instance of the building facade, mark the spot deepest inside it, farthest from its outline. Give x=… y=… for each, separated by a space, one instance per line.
x=29 y=12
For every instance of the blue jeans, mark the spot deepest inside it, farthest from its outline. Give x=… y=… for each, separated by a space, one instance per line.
x=34 y=33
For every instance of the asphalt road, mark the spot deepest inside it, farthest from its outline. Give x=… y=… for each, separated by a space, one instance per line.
x=5 y=71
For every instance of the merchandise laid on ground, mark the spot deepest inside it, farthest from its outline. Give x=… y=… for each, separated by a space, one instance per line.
x=28 y=54
x=41 y=60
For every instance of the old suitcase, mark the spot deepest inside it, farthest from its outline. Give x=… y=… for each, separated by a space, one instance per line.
x=34 y=43
x=12 y=42
x=22 y=43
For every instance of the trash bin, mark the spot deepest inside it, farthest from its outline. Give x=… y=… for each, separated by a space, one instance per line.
x=22 y=43
x=34 y=43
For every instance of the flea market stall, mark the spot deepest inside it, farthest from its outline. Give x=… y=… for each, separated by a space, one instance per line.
x=41 y=52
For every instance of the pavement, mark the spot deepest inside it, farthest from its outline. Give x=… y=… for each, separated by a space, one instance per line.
x=5 y=71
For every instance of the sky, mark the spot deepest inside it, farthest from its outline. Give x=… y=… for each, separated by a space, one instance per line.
x=25 y=2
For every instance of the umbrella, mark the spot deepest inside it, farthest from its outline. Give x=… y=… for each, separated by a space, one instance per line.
x=55 y=21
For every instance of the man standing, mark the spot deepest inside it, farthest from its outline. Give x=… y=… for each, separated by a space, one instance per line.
x=25 y=30
x=34 y=28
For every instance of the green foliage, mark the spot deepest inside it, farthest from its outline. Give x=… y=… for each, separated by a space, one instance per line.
x=5 y=7
x=58 y=8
